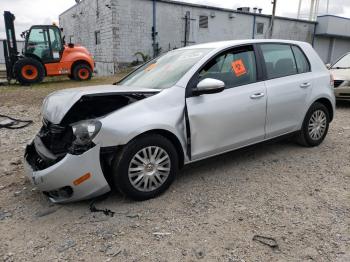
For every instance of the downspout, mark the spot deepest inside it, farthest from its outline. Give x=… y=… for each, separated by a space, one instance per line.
x=154 y=29
x=314 y=34
x=154 y=15
x=254 y=22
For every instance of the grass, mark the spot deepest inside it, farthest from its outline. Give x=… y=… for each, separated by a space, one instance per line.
x=30 y=95
x=61 y=82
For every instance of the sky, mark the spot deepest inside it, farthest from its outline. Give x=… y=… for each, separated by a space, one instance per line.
x=47 y=11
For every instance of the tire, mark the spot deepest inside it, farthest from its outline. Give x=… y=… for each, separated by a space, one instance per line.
x=82 y=72
x=29 y=71
x=135 y=185
x=319 y=114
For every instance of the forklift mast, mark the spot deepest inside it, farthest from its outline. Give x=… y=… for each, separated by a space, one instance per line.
x=10 y=44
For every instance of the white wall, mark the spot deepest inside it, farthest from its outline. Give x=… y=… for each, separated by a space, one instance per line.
x=341 y=46
x=134 y=22
x=126 y=28
x=81 y=22
x=321 y=45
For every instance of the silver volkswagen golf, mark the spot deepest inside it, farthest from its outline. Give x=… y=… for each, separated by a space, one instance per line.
x=186 y=105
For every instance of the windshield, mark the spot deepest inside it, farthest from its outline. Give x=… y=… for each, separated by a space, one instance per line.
x=343 y=62
x=166 y=70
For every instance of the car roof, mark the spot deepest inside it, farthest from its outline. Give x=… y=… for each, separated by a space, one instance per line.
x=224 y=44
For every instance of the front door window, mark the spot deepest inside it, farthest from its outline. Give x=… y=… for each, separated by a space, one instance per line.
x=38 y=44
x=235 y=68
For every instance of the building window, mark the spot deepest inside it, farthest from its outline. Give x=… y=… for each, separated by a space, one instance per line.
x=259 y=28
x=97 y=37
x=203 y=21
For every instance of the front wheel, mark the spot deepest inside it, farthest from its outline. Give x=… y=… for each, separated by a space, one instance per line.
x=315 y=126
x=82 y=72
x=29 y=71
x=145 y=167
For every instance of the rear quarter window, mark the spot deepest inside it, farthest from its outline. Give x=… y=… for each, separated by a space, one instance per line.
x=303 y=64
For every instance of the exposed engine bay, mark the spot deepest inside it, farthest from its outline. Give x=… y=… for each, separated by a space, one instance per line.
x=54 y=141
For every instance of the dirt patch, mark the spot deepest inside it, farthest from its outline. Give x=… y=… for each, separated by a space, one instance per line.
x=298 y=197
x=29 y=95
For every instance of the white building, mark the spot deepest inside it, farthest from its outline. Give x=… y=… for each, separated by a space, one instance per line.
x=114 y=30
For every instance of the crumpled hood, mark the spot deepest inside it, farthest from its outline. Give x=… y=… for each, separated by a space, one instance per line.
x=57 y=104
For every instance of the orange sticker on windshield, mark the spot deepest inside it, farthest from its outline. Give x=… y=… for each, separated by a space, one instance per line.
x=150 y=67
x=238 y=67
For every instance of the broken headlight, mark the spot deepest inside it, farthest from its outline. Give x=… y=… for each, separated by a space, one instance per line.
x=85 y=131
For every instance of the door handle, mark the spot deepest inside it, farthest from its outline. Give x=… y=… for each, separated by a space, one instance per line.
x=305 y=85
x=257 y=95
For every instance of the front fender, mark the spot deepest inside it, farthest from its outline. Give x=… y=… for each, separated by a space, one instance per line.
x=73 y=56
x=163 y=111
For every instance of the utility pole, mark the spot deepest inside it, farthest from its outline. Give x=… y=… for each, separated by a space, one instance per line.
x=314 y=10
x=327 y=7
x=274 y=2
x=312 y=7
x=317 y=5
x=299 y=9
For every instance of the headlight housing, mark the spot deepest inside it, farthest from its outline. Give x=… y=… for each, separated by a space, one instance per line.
x=85 y=131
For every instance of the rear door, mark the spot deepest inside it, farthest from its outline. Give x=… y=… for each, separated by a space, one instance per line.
x=235 y=117
x=289 y=84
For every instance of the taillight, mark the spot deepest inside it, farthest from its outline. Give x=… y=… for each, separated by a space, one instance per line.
x=332 y=80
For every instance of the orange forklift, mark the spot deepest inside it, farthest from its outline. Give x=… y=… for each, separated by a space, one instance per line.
x=45 y=54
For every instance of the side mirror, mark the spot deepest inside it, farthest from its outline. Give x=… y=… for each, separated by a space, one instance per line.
x=328 y=66
x=209 y=86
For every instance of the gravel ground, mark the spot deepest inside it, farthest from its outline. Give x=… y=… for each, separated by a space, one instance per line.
x=297 y=196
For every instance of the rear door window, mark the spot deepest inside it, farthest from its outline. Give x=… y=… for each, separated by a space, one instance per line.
x=302 y=62
x=279 y=60
x=235 y=67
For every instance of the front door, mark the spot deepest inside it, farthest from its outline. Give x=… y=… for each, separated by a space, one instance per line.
x=235 y=117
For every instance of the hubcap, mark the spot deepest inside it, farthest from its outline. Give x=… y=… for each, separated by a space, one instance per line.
x=317 y=125
x=83 y=73
x=149 y=168
x=29 y=72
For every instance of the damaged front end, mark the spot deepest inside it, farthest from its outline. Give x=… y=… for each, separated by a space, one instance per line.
x=63 y=151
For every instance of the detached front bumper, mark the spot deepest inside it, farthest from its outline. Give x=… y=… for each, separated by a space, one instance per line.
x=73 y=178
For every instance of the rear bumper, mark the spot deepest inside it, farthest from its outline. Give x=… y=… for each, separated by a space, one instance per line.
x=73 y=178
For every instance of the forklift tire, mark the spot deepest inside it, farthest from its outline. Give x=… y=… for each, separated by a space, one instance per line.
x=29 y=71
x=82 y=72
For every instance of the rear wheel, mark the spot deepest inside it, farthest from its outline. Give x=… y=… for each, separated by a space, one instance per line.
x=82 y=72
x=29 y=71
x=145 y=167
x=315 y=126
